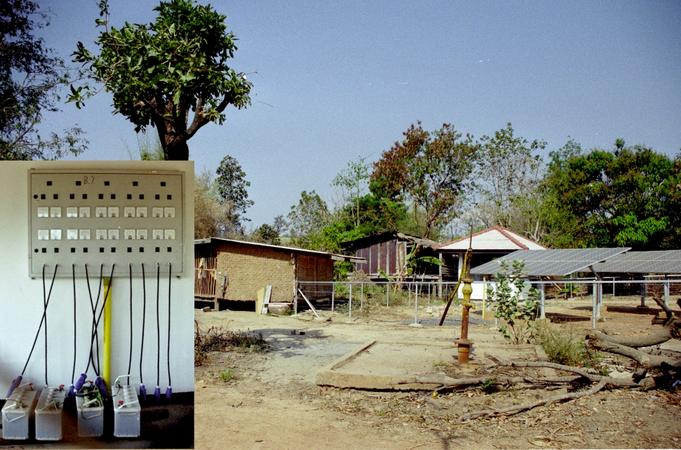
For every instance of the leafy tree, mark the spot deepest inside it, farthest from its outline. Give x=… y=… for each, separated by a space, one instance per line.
x=353 y=180
x=159 y=73
x=267 y=234
x=509 y=173
x=432 y=170
x=515 y=302
x=279 y=224
x=232 y=190
x=210 y=215
x=306 y=220
x=30 y=76
x=624 y=197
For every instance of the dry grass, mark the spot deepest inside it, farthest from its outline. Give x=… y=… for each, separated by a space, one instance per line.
x=218 y=339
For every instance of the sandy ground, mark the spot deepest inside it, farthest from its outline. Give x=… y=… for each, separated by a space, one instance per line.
x=272 y=401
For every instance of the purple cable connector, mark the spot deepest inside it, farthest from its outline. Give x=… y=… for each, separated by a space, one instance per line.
x=15 y=383
x=72 y=391
x=143 y=391
x=169 y=392
x=101 y=385
x=157 y=393
x=81 y=381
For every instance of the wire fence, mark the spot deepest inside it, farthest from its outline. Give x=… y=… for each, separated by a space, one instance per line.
x=422 y=302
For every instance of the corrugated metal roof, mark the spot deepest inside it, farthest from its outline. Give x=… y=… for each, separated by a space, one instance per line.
x=494 y=238
x=334 y=256
x=661 y=262
x=553 y=262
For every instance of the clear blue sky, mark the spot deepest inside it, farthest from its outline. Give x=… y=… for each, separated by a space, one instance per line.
x=334 y=81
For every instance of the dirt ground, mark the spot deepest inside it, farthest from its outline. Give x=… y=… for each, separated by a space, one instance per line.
x=270 y=400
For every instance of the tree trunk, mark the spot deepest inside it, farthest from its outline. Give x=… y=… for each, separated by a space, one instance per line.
x=176 y=150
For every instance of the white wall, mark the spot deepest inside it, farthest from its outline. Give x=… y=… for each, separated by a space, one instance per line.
x=21 y=297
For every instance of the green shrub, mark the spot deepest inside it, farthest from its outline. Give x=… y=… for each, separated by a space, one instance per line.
x=566 y=347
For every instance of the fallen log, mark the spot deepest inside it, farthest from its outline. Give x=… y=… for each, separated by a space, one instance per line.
x=656 y=338
x=644 y=359
x=457 y=383
x=617 y=382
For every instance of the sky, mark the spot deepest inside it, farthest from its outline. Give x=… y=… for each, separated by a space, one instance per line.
x=335 y=81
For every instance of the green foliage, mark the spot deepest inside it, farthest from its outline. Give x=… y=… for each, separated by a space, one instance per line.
x=515 y=303
x=433 y=170
x=306 y=220
x=159 y=72
x=210 y=215
x=267 y=234
x=30 y=76
x=227 y=375
x=352 y=181
x=566 y=348
x=508 y=172
x=232 y=189
x=625 y=197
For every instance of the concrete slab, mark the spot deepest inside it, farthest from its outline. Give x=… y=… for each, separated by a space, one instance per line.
x=382 y=365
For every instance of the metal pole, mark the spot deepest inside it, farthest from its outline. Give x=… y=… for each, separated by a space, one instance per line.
x=666 y=291
x=350 y=304
x=387 y=294
x=542 y=308
x=333 y=295
x=416 y=306
x=599 y=299
x=593 y=306
x=361 y=296
x=643 y=294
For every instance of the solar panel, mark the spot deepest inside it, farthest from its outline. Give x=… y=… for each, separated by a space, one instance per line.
x=552 y=262
x=660 y=262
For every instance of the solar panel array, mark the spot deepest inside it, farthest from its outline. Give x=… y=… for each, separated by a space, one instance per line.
x=553 y=262
x=659 y=262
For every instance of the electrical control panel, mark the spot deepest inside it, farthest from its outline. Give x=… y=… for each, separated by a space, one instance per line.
x=79 y=217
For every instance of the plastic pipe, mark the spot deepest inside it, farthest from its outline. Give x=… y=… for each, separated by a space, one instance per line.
x=106 y=363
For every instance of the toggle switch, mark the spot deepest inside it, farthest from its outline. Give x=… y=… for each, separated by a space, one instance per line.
x=72 y=212
x=84 y=212
x=55 y=235
x=100 y=212
x=169 y=212
x=43 y=211
x=169 y=234
x=71 y=235
x=129 y=211
x=55 y=211
x=43 y=235
x=113 y=212
x=142 y=211
x=141 y=234
x=84 y=234
x=100 y=234
x=114 y=235
x=157 y=234
x=129 y=234
x=157 y=212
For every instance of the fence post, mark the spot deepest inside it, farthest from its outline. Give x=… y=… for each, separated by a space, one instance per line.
x=416 y=305
x=333 y=295
x=593 y=306
x=542 y=307
x=350 y=304
x=643 y=294
x=387 y=293
x=666 y=291
x=599 y=299
x=361 y=296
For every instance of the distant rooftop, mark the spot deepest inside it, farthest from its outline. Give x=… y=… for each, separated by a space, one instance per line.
x=494 y=238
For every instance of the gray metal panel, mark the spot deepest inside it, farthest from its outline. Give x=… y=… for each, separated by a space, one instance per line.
x=660 y=262
x=553 y=262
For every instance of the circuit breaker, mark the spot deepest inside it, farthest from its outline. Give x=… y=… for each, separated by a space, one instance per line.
x=121 y=217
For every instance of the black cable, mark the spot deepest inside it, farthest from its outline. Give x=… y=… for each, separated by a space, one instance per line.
x=45 y=314
x=42 y=319
x=73 y=278
x=144 y=315
x=95 y=323
x=170 y=277
x=92 y=308
x=130 y=354
x=158 y=326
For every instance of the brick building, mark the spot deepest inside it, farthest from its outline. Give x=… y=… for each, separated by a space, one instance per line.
x=229 y=269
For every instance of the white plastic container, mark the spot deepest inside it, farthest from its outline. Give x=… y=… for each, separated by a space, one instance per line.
x=90 y=417
x=48 y=414
x=127 y=411
x=17 y=412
